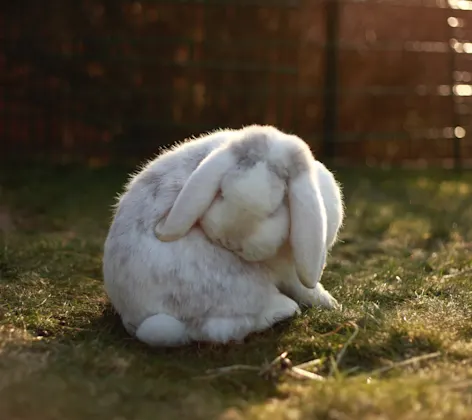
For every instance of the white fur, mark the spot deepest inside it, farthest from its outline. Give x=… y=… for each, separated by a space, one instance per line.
x=264 y=234
x=162 y=330
x=249 y=217
x=333 y=201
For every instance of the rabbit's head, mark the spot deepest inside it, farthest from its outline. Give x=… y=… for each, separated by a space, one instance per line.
x=249 y=215
x=264 y=183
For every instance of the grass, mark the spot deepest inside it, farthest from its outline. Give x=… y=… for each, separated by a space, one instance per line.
x=402 y=273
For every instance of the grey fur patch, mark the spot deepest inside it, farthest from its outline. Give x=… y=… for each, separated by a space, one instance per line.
x=116 y=253
x=153 y=181
x=245 y=162
x=141 y=225
x=174 y=306
x=299 y=161
x=193 y=161
x=278 y=169
x=253 y=146
x=124 y=258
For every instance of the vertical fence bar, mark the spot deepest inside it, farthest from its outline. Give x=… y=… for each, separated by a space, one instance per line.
x=332 y=9
x=455 y=117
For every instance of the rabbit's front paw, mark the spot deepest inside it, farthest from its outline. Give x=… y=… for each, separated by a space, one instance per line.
x=322 y=298
x=317 y=297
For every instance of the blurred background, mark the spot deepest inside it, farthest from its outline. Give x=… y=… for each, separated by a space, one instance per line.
x=364 y=82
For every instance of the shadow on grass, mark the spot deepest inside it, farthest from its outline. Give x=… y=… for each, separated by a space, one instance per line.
x=256 y=348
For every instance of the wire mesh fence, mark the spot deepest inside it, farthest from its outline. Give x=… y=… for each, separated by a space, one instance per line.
x=361 y=81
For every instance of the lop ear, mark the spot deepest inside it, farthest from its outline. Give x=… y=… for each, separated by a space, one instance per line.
x=196 y=195
x=308 y=226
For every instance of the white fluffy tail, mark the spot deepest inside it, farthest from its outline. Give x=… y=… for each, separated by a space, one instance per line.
x=162 y=330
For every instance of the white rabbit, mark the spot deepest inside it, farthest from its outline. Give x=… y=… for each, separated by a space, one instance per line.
x=182 y=286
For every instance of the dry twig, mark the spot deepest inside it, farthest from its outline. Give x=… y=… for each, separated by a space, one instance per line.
x=457 y=273
x=273 y=370
x=406 y=363
x=213 y=373
x=282 y=364
x=335 y=364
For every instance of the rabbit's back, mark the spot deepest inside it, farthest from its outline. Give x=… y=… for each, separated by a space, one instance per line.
x=151 y=192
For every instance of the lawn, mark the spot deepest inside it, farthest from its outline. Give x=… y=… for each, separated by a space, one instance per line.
x=402 y=272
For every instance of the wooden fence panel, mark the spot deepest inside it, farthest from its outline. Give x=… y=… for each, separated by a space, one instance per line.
x=111 y=79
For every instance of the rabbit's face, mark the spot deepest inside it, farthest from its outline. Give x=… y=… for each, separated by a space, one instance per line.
x=255 y=189
x=252 y=237
x=250 y=214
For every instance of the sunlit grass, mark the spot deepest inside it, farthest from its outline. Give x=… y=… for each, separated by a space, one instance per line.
x=402 y=272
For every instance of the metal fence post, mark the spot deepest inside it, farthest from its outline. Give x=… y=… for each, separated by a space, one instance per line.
x=330 y=102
